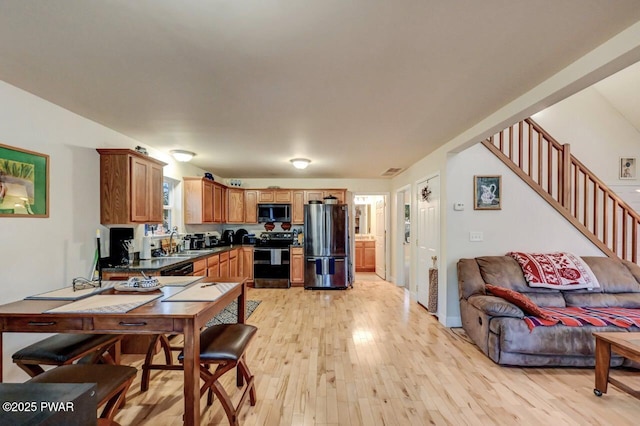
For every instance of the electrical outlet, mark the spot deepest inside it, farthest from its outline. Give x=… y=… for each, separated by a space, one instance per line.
x=458 y=206
x=475 y=236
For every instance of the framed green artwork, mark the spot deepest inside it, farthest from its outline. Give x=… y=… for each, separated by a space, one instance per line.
x=24 y=183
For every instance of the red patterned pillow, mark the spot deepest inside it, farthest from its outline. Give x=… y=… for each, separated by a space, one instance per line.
x=520 y=300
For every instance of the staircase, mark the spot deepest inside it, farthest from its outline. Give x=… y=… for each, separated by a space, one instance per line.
x=569 y=186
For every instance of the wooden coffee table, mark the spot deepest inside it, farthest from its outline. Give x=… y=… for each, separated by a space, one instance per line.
x=623 y=343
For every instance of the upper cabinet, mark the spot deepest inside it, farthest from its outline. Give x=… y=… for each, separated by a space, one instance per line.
x=251 y=206
x=130 y=187
x=274 y=196
x=320 y=194
x=203 y=201
x=235 y=203
x=297 y=206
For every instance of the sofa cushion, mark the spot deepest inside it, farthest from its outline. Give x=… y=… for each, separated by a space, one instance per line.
x=504 y=271
x=603 y=300
x=612 y=274
x=515 y=336
x=518 y=299
x=547 y=300
x=495 y=306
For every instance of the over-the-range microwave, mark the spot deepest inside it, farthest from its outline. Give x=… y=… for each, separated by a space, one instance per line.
x=274 y=213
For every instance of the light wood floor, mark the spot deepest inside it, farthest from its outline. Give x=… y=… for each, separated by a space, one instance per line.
x=371 y=356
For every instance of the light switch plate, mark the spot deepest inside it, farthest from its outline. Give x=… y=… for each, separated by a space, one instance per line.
x=476 y=236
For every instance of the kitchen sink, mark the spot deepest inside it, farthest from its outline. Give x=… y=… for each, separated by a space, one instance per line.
x=194 y=252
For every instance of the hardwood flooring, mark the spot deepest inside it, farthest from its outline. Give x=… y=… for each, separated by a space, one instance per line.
x=372 y=356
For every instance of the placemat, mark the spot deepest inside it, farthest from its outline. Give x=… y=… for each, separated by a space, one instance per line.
x=205 y=292
x=178 y=281
x=105 y=304
x=67 y=293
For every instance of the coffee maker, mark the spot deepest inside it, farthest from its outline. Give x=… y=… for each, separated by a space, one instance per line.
x=227 y=237
x=119 y=241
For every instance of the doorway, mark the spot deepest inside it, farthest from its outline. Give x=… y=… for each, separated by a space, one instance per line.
x=403 y=237
x=370 y=233
x=428 y=239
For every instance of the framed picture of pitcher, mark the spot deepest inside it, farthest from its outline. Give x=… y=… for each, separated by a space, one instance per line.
x=487 y=192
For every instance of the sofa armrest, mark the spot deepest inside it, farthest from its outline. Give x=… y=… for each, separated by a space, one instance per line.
x=495 y=306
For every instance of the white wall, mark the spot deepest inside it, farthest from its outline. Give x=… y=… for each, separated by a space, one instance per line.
x=42 y=254
x=353 y=185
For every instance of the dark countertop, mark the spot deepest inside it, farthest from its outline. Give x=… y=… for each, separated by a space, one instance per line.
x=159 y=263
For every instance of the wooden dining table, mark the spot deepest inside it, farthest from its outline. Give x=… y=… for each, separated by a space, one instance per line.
x=154 y=317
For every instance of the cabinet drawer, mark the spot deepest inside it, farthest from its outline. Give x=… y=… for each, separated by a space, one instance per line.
x=42 y=324
x=128 y=323
x=224 y=256
x=199 y=265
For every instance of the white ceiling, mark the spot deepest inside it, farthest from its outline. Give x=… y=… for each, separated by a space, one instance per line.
x=357 y=86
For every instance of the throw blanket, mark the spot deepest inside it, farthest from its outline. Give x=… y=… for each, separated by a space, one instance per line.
x=577 y=317
x=559 y=271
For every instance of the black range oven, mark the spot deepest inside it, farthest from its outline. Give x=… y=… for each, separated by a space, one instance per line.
x=271 y=259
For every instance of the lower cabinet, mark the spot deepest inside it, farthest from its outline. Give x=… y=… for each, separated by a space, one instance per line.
x=213 y=266
x=245 y=264
x=233 y=263
x=365 y=256
x=296 y=273
x=224 y=264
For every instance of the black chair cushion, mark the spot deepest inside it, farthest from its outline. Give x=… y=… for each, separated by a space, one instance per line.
x=61 y=347
x=107 y=377
x=224 y=342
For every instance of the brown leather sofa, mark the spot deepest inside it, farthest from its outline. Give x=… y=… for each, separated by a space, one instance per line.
x=497 y=326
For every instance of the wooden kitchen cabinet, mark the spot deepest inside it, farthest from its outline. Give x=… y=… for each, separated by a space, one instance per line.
x=250 y=206
x=218 y=203
x=297 y=207
x=246 y=262
x=200 y=268
x=130 y=187
x=296 y=271
x=213 y=266
x=320 y=194
x=233 y=263
x=235 y=205
x=274 y=196
x=224 y=264
x=203 y=201
x=365 y=256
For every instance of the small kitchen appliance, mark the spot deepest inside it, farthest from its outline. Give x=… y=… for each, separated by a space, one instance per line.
x=228 y=237
x=119 y=242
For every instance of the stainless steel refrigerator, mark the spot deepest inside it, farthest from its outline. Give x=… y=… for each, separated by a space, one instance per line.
x=326 y=246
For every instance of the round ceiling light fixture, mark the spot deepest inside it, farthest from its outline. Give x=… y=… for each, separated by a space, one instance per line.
x=300 y=163
x=182 y=155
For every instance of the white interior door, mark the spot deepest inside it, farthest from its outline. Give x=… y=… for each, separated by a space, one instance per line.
x=381 y=267
x=428 y=233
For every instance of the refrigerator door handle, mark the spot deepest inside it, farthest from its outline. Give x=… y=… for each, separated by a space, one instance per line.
x=332 y=266
x=319 y=268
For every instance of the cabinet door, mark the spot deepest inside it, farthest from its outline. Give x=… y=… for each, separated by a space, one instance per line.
x=338 y=193
x=266 y=196
x=297 y=267
x=156 y=195
x=370 y=255
x=283 y=196
x=140 y=184
x=359 y=255
x=247 y=263
x=314 y=195
x=213 y=266
x=233 y=263
x=207 y=202
x=235 y=212
x=251 y=206
x=217 y=203
x=297 y=207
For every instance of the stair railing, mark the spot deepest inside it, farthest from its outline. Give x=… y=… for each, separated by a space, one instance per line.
x=569 y=186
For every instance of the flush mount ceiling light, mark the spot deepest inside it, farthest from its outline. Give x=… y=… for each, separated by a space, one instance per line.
x=300 y=163
x=182 y=156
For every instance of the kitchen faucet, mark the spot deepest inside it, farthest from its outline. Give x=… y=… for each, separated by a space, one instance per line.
x=173 y=231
